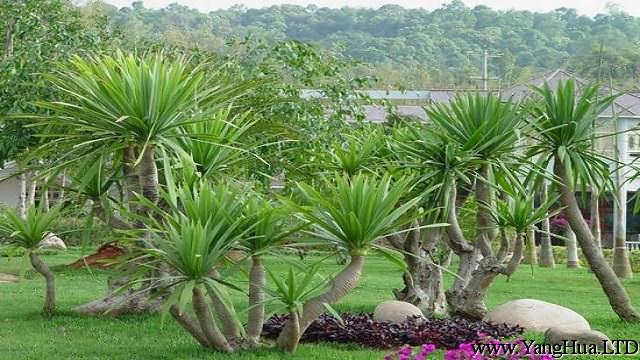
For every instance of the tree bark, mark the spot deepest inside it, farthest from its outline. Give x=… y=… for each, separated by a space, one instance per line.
x=33 y=187
x=485 y=227
x=546 y=247
x=423 y=282
x=229 y=324
x=8 y=39
x=573 y=260
x=257 y=282
x=63 y=185
x=50 y=298
x=469 y=302
x=621 y=263
x=131 y=181
x=189 y=325
x=594 y=205
x=207 y=325
x=22 y=195
x=532 y=251
x=149 y=174
x=341 y=285
x=615 y=292
x=466 y=252
x=516 y=258
x=291 y=346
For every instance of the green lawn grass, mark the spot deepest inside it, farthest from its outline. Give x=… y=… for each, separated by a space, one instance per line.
x=25 y=335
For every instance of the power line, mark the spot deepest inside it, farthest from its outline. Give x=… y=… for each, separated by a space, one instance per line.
x=485 y=69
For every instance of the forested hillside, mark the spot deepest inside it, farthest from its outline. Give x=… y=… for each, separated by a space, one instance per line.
x=414 y=46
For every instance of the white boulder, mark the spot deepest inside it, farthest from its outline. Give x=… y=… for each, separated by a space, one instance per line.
x=52 y=241
x=395 y=312
x=561 y=336
x=536 y=315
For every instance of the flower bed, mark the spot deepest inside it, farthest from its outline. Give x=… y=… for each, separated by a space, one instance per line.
x=361 y=329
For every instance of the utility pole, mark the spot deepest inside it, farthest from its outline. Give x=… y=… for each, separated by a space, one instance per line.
x=485 y=69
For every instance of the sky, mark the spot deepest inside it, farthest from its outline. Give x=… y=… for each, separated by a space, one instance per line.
x=585 y=7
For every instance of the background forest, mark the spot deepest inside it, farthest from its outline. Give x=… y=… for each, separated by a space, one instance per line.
x=410 y=47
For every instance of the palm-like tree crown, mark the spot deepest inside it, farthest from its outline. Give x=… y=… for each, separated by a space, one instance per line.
x=121 y=99
x=29 y=231
x=563 y=129
x=354 y=212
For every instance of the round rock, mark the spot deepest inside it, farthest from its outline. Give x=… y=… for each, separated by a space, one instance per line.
x=561 y=336
x=536 y=315
x=7 y=278
x=395 y=312
x=52 y=241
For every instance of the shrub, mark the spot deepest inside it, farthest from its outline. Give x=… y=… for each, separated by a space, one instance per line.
x=560 y=255
x=362 y=329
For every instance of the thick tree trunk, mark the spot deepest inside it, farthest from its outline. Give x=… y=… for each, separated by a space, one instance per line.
x=33 y=187
x=621 y=263
x=207 y=325
x=291 y=346
x=532 y=251
x=149 y=174
x=469 y=302
x=189 y=325
x=546 y=248
x=131 y=181
x=485 y=227
x=423 y=282
x=467 y=254
x=63 y=185
x=257 y=282
x=130 y=302
x=50 y=298
x=22 y=195
x=594 y=205
x=610 y=283
x=516 y=258
x=45 y=198
x=573 y=259
x=124 y=303
x=228 y=322
x=341 y=285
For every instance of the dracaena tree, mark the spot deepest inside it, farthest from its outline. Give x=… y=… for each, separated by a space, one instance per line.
x=349 y=215
x=129 y=108
x=562 y=123
x=27 y=232
x=130 y=105
x=485 y=130
x=192 y=234
x=438 y=167
x=269 y=227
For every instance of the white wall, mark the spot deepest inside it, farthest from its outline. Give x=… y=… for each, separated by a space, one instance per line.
x=9 y=192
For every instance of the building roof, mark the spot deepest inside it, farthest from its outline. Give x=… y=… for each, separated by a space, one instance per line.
x=7 y=170
x=627 y=104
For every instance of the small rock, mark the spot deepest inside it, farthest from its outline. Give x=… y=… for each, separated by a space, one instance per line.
x=558 y=335
x=52 y=241
x=395 y=312
x=7 y=278
x=536 y=315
